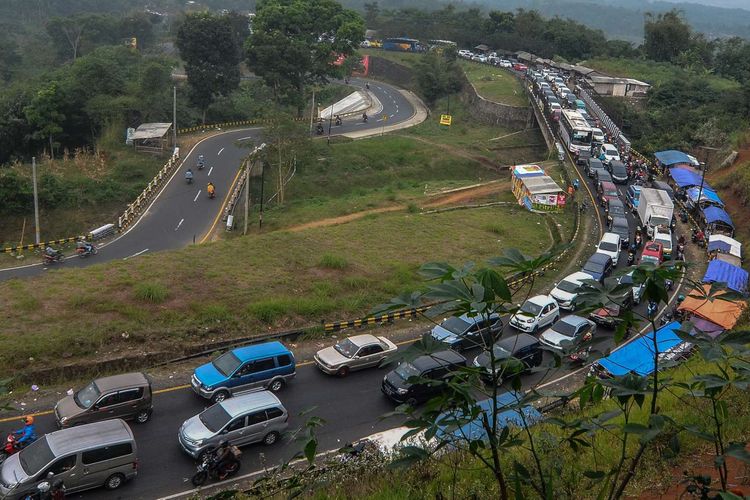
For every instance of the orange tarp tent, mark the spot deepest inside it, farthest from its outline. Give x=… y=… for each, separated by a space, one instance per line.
x=724 y=313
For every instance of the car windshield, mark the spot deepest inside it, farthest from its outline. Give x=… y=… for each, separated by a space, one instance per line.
x=215 y=418
x=568 y=286
x=529 y=307
x=346 y=348
x=581 y=138
x=610 y=192
x=564 y=328
x=616 y=209
x=227 y=363
x=87 y=396
x=593 y=267
x=406 y=370
x=650 y=259
x=666 y=241
x=36 y=456
x=607 y=246
x=455 y=325
x=500 y=353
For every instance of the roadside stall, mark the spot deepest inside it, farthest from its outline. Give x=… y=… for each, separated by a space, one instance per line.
x=724 y=248
x=535 y=190
x=717 y=220
x=709 y=312
x=708 y=197
x=672 y=158
x=722 y=272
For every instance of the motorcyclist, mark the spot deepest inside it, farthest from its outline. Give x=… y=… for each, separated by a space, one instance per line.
x=224 y=457
x=211 y=190
x=338 y=120
x=320 y=128
x=27 y=432
x=189 y=175
x=364 y=117
x=51 y=252
x=85 y=246
x=201 y=161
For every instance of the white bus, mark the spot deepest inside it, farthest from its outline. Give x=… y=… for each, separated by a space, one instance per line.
x=575 y=132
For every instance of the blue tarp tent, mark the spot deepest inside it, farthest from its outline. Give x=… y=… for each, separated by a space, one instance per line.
x=708 y=195
x=721 y=246
x=687 y=177
x=723 y=272
x=638 y=356
x=673 y=157
x=715 y=214
x=474 y=430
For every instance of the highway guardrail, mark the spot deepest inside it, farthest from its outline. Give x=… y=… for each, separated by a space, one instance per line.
x=32 y=246
x=134 y=209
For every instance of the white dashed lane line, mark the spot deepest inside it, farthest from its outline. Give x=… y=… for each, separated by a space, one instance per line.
x=222 y=149
x=194 y=199
x=179 y=224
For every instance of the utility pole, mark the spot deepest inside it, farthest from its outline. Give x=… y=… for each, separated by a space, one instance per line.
x=330 y=119
x=312 y=112
x=247 y=193
x=36 y=199
x=262 y=177
x=703 y=174
x=174 y=115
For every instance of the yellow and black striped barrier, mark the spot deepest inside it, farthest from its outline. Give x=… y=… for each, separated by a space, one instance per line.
x=32 y=246
x=238 y=123
x=374 y=320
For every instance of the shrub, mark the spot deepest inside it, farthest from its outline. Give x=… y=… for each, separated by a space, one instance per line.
x=153 y=292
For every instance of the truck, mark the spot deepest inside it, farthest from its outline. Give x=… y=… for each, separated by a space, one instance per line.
x=655 y=208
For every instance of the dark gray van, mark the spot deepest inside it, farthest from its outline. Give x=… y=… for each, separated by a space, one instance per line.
x=102 y=454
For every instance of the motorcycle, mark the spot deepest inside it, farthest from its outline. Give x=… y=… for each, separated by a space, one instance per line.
x=11 y=447
x=52 y=259
x=364 y=118
x=698 y=237
x=201 y=162
x=652 y=308
x=338 y=121
x=319 y=130
x=209 y=467
x=580 y=357
x=631 y=258
x=86 y=251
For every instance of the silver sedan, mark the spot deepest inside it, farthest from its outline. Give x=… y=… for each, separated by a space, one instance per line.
x=354 y=353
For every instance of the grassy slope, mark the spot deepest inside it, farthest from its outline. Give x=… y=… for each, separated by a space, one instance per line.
x=652 y=72
x=495 y=84
x=245 y=285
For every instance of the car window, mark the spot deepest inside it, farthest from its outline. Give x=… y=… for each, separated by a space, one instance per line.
x=106 y=453
x=108 y=400
x=237 y=423
x=262 y=365
x=438 y=373
x=284 y=360
x=130 y=395
x=274 y=413
x=257 y=418
x=60 y=465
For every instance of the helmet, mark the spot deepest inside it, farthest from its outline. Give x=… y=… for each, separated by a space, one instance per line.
x=28 y=420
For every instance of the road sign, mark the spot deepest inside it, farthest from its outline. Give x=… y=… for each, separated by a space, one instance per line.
x=385 y=118
x=446 y=120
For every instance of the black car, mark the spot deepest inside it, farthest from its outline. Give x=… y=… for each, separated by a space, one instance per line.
x=399 y=386
x=621 y=228
x=592 y=166
x=619 y=172
x=601 y=175
x=516 y=354
x=615 y=208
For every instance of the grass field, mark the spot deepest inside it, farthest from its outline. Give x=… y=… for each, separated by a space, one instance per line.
x=245 y=285
x=495 y=84
x=653 y=72
x=406 y=58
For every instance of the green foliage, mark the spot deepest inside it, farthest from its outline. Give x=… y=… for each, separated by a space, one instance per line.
x=294 y=44
x=667 y=35
x=438 y=76
x=330 y=261
x=151 y=291
x=208 y=44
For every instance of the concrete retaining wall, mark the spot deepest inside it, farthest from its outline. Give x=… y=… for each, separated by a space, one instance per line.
x=392 y=72
x=495 y=113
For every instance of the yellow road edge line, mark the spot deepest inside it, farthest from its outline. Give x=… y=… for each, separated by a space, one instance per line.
x=223 y=205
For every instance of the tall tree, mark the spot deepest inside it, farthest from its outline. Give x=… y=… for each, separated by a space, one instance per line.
x=372 y=11
x=295 y=42
x=208 y=45
x=65 y=33
x=44 y=114
x=667 y=35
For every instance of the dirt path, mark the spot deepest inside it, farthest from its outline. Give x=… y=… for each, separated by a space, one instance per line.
x=440 y=200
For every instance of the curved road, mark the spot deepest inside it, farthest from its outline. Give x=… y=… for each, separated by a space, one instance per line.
x=182 y=214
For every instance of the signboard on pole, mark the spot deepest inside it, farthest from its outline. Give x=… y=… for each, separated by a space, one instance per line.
x=446 y=120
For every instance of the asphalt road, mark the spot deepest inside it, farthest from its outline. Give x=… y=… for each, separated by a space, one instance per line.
x=182 y=214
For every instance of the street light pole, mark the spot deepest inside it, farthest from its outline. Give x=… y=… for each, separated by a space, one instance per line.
x=174 y=116
x=36 y=199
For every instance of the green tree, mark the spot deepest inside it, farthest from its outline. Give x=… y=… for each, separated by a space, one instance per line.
x=208 y=45
x=44 y=114
x=438 y=76
x=295 y=42
x=65 y=33
x=372 y=12
x=666 y=35
x=9 y=58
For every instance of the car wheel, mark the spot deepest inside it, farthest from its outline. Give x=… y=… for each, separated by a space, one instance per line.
x=343 y=371
x=411 y=402
x=220 y=396
x=114 y=481
x=557 y=318
x=271 y=438
x=276 y=385
x=143 y=417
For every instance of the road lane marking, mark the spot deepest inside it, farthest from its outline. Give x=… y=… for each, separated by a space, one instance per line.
x=210 y=170
x=221 y=210
x=197 y=195
x=179 y=224
x=222 y=149
x=245 y=138
x=136 y=254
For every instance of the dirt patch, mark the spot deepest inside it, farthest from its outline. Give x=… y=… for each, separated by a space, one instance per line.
x=441 y=200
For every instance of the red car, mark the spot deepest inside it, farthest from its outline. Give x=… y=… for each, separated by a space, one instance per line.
x=520 y=67
x=653 y=253
x=607 y=191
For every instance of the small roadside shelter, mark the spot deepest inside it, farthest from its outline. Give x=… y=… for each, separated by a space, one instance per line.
x=717 y=220
x=715 y=310
x=724 y=244
x=722 y=272
x=153 y=137
x=708 y=197
x=687 y=177
x=535 y=190
x=673 y=158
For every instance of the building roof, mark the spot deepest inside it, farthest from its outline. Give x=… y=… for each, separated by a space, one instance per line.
x=583 y=70
x=722 y=272
x=672 y=157
x=638 y=355
x=712 y=307
x=715 y=214
x=482 y=47
x=541 y=184
x=597 y=78
x=151 y=131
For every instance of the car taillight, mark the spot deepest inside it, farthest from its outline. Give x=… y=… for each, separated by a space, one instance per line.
x=135 y=464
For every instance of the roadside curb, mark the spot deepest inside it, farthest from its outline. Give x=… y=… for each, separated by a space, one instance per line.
x=420 y=114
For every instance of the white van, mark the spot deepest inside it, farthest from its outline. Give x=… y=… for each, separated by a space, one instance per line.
x=83 y=457
x=610 y=245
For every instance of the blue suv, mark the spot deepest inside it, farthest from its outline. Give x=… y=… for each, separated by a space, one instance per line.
x=245 y=369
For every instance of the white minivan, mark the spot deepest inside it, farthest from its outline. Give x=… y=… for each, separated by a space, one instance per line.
x=610 y=245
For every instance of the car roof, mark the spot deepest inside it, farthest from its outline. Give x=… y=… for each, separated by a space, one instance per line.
x=578 y=276
x=615 y=201
x=477 y=317
x=620 y=221
x=574 y=320
x=259 y=350
x=518 y=341
x=364 y=339
x=121 y=381
x=83 y=437
x=251 y=401
x=635 y=187
x=441 y=358
x=609 y=184
x=617 y=164
x=599 y=258
x=609 y=236
x=650 y=246
x=541 y=300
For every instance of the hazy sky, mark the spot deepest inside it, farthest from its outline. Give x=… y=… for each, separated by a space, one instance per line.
x=732 y=4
